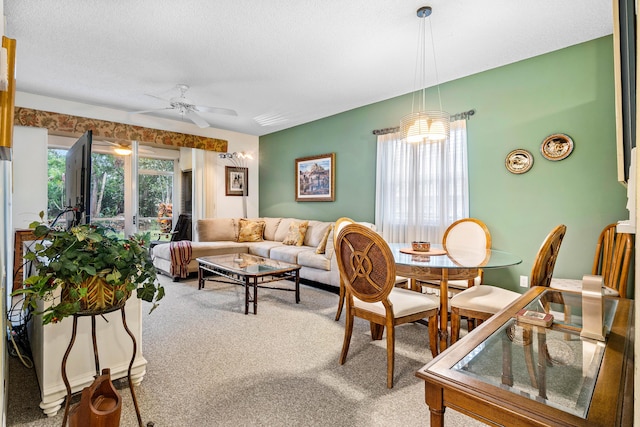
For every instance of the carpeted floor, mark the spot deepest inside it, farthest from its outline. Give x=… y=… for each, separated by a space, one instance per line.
x=211 y=365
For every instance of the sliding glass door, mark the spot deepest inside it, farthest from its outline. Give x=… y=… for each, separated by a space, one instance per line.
x=129 y=193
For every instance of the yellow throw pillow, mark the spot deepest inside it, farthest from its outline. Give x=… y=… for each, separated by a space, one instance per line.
x=295 y=236
x=323 y=242
x=251 y=231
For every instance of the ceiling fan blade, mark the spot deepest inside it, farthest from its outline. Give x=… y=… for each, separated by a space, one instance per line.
x=150 y=111
x=157 y=97
x=195 y=118
x=217 y=110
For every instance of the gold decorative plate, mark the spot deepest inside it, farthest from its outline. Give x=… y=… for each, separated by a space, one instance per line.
x=556 y=147
x=519 y=161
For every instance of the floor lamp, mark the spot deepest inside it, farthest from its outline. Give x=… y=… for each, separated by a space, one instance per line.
x=240 y=160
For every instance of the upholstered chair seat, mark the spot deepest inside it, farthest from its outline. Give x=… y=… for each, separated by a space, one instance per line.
x=485 y=298
x=405 y=302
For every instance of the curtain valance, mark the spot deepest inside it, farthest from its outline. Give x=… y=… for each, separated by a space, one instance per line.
x=67 y=125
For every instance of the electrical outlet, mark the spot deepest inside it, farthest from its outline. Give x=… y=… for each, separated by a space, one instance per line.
x=524 y=281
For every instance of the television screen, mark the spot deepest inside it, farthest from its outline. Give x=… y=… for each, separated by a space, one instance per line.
x=78 y=180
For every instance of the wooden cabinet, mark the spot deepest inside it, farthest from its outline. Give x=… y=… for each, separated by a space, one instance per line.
x=49 y=343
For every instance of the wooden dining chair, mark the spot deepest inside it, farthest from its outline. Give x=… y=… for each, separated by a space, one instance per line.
x=368 y=271
x=339 y=224
x=612 y=261
x=465 y=232
x=482 y=302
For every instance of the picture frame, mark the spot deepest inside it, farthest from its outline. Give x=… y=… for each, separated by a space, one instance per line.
x=234 y=180
x=316 y=178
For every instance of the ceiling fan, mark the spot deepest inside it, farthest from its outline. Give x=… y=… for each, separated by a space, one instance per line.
x=186 y=108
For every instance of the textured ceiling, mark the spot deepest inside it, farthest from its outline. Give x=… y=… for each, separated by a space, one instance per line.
x=275 y=61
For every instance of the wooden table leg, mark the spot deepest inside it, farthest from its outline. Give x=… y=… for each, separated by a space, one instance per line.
x=542 y=362
x=434 y=399
x=444 y=310
x=507 y=371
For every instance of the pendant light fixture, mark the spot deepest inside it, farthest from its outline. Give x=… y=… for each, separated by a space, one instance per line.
x=424 y=125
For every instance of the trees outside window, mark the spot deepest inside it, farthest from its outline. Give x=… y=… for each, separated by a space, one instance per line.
x=110 y=186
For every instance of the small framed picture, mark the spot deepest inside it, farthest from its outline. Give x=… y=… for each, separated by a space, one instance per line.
x=315 y=178
x=236 y=181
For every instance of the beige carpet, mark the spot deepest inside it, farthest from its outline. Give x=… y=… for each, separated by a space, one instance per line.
x=209 y=364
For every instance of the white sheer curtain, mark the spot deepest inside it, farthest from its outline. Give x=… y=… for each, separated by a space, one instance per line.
x=421 y=188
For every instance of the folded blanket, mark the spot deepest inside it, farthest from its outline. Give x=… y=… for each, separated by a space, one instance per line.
x=180 y=257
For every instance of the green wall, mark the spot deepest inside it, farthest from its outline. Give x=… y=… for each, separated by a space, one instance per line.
x=568 y=91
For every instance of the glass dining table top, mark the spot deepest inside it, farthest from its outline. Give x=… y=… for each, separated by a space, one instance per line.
x=570 y=364
x=454 y=257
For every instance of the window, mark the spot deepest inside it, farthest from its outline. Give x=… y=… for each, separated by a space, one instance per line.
x=113 y=187
x=155 y=195
x=421 y=188
x=107 y=188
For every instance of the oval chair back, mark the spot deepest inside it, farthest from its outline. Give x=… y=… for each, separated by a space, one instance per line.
x=546 y=258
x=337 y=227
x=612 y=259
x=366 y=264
x=467 y=232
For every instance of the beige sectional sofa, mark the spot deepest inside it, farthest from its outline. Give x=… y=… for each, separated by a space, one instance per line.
x=217 y=236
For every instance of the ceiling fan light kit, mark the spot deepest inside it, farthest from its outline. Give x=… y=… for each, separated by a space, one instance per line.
x=186 y=108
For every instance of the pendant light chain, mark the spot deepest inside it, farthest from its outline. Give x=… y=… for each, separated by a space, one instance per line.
x=435 y=65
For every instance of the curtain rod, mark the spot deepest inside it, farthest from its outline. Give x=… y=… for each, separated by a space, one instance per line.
x=465 y=115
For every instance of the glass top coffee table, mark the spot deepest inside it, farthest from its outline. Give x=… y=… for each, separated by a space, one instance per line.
x=251 y=271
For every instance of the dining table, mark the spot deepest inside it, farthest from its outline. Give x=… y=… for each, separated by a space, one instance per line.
x=447 y=263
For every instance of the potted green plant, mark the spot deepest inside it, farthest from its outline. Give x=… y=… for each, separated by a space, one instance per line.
x=87 y=269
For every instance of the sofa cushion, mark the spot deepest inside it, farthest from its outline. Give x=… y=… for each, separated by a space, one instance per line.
x=250 y=231
x=199 y=249
x=311 y=259
x=270 y=228
x=297 y=231
x=216 y=229
x=283 y=229
x=315 y=232
x=263 y=248
x=323 y=243
x=329 y=249
x=287 y=253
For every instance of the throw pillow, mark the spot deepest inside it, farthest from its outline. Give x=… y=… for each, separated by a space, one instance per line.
x=323 y=242
x=329 y=248
x=297 y=231
x=251 y=231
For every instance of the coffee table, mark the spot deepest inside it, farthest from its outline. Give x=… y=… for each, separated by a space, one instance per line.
x=251 y=271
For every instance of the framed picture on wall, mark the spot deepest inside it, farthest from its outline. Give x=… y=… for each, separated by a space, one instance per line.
x=236 y=181
x=315 y=178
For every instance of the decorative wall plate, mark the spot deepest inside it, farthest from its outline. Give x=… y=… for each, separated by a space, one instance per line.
x=519 y=161
x=556 y=147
